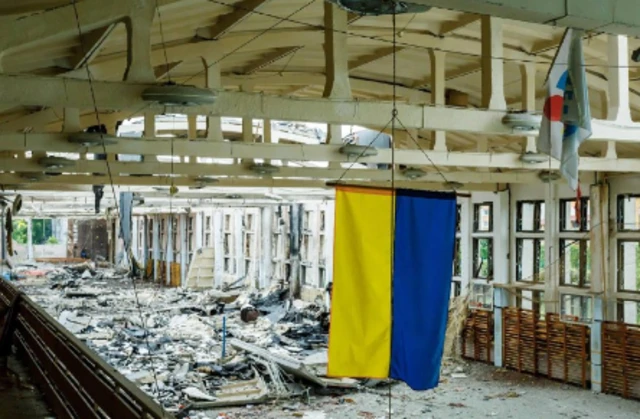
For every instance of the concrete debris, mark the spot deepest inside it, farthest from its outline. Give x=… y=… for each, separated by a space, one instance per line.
x=169 y=341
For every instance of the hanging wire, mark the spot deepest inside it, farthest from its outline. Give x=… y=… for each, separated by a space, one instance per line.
x=164 y=45
x=127 y=244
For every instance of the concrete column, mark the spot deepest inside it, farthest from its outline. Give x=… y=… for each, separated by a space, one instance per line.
x=198 y=231
x=149 y=132
x=169 y=251
x=266 y=246
x=213 y=81
x=71 y=120
x=29 y=239
x=551 y=242
x=145 y=241
x=184 y=248
x=438 y=85
x=528 y=73
x=500 y=270
x=139 y=68
x=134 y=238
x=192 y=133
x=156 y=246
x=336 y=55
x=238 y=242
x=329 y=222
x=295 y=214
x=602 y=285
x=492 y=64
x=618 y=76
x=218 y=246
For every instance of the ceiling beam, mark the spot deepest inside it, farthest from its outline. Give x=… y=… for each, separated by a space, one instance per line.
x=369 y=58
x=162 y=70
x=298 y=152
x=227 y=22
x=90 y=46
x=451 y=26
x=269 y=59
x=51 y=92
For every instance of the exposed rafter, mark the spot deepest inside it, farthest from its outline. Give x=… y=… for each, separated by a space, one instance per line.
x=370 y=58
x=269 y=59
x=226 y=23
x=90 y=46
x=452 y=26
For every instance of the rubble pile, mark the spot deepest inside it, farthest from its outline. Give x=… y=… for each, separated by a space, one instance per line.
x=194 y=350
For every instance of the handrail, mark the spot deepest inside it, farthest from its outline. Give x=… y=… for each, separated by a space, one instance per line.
x=77 y=382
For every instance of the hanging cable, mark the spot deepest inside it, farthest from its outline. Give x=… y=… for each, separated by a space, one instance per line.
x=164 y=45
x=119 y=215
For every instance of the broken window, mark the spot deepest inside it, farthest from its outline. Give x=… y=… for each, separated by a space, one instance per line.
x=575 y=217
x=530 y=260
x=531 y=300
x=629 y=311
x=323 y=215
x=629 y=265
x=483 y=258
x=458 y=218
x=628 y=213
x=530 y=216
x=227 y=222
x=575 y=262
x=322 y=277
x=576 y=308
x=483 y=217
x=457 y=258
x=303 y=275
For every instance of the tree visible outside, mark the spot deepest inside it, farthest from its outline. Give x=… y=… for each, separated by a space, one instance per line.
x=41 y=231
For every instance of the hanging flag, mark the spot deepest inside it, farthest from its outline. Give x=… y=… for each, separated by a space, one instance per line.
x=390 y=322
x=566 y=122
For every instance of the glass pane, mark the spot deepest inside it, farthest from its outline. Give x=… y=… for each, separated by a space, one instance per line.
x=483 y=258
x=628 y=268
x=575 y=263
x=577 y=307
x=458 y=218
x=569 y=215
x=481 y=296
x=629 y=213
x=457 y=259
x=530 y=260
x=629 y=311
x=482 y=217
x=530 y=216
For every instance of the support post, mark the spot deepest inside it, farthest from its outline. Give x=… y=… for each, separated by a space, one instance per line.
x=438 y=85
x=492 y=64
x=198 y=232
x=266 y=260
x=528 y=73
x=169 y=251
x=213 y=81
x=145 y=242
x=337 y=85
x=551 y=242
x=601 y=286
x=184 y=247
x=218 y=246
x=156 y=247
x=295 y=214
x=29 y=238
x=501 y=272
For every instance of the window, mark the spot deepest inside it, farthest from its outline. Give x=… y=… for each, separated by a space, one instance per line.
x=569 y=211
x=575 y=263
x=628 y=212
x=481 y=296
x=457 y=258
x=483 y=217
x=322 y=277
x=483 y=258
x=530 y=260
x=41 y=231
x=531 y=300
x=578 y=308
x=629 y=265
x=458 y=218
x=530 y=216
x=629 y=311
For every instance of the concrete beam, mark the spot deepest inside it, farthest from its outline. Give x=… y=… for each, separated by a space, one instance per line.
x=452 y=26
x=225 y=23
x=269 y=59
x=492 y=64
x=611 y=16
x=90 y=46
x=50 y=92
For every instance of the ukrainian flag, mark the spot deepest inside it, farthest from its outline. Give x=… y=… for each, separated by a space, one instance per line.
x=393 y=258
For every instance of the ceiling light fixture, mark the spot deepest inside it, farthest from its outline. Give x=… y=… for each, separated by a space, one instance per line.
x=358 y=150
x=264 y=168
x=380 y=7
x=53 y=163
x=171 y=94
x=413 y=173
x=548 y=177
x=532 y=158
x=92 y=139
x=522 y=121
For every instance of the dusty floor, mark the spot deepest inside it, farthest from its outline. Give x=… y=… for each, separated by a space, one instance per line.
x=486 y=392
x=20 y=399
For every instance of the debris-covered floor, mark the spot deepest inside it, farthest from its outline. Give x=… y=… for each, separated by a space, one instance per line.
x=275 y=356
